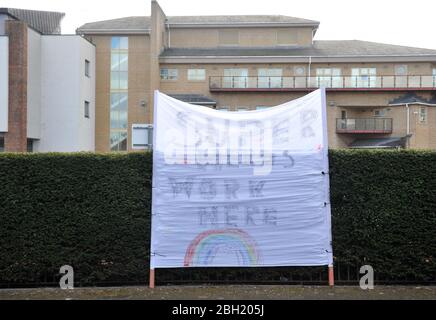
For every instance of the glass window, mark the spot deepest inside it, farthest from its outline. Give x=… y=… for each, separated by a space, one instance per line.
x=401 y=70
x=223 y=108
x=235 y=78
x=242 y=109
x=269 y=78
x=29 y=145
x=196 y=74
x=119 y=62
x=328 y=77
x=118 y=140
x=116 y=42
x=2 y=144
x=119 y=107
x=168 y=74
x=120 y=43
x=86 y=109
x=423 y=114
x=87 y=68
x=363 y=77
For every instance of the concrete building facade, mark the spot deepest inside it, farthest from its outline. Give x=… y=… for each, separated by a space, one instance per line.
x=378 y=95
x=47 y=85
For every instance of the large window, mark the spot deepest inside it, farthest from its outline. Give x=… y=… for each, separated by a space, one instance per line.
x=269 y=78
x=235 y=78
x=119 y=93
x=328 y=77
x=168 y=74
x=363 y=77
x=196 y=74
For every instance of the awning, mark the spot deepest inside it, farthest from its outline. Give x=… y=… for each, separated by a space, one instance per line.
x=376 y=143
x=197 y=99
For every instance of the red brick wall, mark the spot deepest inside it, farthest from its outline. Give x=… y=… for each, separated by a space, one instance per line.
x=16 y=137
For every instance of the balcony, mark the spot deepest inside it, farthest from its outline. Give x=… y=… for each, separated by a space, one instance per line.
x=364 y=125
x=333 y=83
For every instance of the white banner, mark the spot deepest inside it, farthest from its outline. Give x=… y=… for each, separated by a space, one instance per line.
x=240 y=188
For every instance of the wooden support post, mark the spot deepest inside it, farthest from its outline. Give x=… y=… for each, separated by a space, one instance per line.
x=331 y=276
x=152 y=278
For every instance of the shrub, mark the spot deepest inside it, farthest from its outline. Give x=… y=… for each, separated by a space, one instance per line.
x=92 y=211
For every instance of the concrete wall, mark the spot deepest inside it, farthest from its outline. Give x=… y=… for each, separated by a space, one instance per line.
x=33 y=84
x=4 y=83
x=63 y=124
x=248 y=37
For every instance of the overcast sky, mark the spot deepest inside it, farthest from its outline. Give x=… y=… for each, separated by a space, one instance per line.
x=403 y=22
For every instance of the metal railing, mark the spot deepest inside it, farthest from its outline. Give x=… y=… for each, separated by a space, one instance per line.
x=364 y=125
x=332 y=82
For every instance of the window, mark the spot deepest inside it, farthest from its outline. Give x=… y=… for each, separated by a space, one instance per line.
x=423 y=114
x=119 y=93
x=401 y=70
x=328 y=77
x=434 y=77
x=120 y=43
x=235 y=78
x=29 y=145
x=196 y=74
x=287 y=37
x=119 y=107
x=142 y=136
x=168 y=74
x=299 y=71
x=87 y=69
x=261 y=107
x=380 y=113
x=2 y=144
x=242 y=109
x=363 y=77
x=86 y=109
x=229 y=37
x=223 y=108
x=269 y=78
x=343 y=114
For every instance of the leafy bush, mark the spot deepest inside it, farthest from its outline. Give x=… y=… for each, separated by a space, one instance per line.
x=92 y=211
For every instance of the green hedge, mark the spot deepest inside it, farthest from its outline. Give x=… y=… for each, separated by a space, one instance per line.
x=92 y=211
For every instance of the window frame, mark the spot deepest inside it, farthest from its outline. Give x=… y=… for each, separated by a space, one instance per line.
x=168 y=76
x=423 y=116
x=87 y=68
x=86 y=111
x=196 y=79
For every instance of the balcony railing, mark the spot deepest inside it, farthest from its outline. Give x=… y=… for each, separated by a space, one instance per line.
x=331 y=83
x=364 y=125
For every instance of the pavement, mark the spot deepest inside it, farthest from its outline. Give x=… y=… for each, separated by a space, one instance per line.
x=242 y=292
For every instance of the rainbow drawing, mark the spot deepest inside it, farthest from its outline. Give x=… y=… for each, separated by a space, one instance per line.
x=204 y=248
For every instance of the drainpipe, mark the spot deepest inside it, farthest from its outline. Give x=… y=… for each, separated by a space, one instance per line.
x=169 y=34
x=310 y=66
x=408 y=125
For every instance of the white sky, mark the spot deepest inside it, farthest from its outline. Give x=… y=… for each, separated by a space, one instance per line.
x=403 y=22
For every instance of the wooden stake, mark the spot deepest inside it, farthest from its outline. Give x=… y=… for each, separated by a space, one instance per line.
x=151 y=278
x=331 y=276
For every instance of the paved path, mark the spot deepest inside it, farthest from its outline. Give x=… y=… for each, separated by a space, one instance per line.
x=225 y=292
